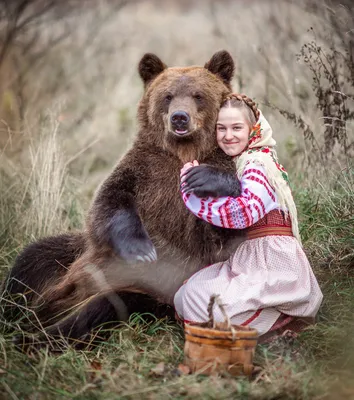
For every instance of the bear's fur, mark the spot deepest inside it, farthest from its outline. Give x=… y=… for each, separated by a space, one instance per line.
x=138 y=209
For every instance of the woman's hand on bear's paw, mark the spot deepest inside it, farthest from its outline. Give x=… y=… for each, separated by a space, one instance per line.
x=206 y=180
x=187 y=166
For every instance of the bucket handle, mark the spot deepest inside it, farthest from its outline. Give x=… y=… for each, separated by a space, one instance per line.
x=215 y=298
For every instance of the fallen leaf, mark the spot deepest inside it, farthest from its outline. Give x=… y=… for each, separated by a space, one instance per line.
x=158 y=370
x=184 y=369
x=2 y=372
x=95 y=366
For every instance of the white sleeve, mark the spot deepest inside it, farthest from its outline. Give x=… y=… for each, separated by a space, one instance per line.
x=256 y=200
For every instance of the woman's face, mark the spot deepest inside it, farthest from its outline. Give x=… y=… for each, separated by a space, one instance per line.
x=232 y=131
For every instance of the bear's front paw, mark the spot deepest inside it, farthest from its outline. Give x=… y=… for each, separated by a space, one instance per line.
x=134 y=249
x=130 y=239
x=206 y=180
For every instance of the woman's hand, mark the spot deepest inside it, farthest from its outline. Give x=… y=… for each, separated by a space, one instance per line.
x=188 y=166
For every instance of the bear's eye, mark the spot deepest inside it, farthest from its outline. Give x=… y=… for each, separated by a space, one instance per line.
x=198 y=97
x=168 y=98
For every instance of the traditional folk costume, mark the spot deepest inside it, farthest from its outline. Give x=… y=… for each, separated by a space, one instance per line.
x=268 y=283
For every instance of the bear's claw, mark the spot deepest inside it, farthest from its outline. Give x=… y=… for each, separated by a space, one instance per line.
x=130 y=239
x=136 y=249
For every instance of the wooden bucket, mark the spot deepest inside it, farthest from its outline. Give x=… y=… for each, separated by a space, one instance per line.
x=212 y=348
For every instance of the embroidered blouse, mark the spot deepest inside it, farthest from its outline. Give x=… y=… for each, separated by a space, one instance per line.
x=257 y=199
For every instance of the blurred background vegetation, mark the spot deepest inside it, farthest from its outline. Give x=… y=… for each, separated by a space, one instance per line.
x=69 y=90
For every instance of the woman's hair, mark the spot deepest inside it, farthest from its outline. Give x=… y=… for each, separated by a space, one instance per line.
x=243 y=102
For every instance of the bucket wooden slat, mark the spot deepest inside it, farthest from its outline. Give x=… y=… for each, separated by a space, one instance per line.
x=210 y=350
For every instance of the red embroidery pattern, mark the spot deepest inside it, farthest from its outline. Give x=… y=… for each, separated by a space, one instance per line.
x=259 y=200
x=255 y=205
x=228 y=213
x=258 y=172
x=210 y=205
x=202 y=209
x=254 y=316
x=255 y=179
x=223 y=217
x=242 y=205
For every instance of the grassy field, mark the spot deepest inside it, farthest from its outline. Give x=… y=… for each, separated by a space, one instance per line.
x=66 y=119
x=319 y=365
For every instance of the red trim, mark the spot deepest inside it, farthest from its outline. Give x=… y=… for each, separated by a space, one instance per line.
x=243 y=205
x=265 y=230
x=254 y=316
x=255 y=197
x=202 y=208
x=255 y=179
x=258 y=172
x=223 y=216
x=227 y=212
x=268 y=226
x=186 y=196
x=258 y=211
x=250 y=194
x=248 y=211
x=210 y=213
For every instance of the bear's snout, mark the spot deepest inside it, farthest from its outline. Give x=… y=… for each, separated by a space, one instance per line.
x=179 y=122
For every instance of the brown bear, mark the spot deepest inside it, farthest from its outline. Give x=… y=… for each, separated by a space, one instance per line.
x=138 y=215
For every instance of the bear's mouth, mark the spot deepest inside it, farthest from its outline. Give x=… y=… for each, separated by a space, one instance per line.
x=181 y=132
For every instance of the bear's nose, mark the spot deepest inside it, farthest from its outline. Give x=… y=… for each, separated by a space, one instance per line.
x=180 y=119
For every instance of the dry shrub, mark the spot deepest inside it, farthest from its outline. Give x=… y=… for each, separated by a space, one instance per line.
x=85 y=60
x=328 y=135
x=36 y=197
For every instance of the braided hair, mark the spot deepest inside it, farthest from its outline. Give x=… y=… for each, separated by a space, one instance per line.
x=242 y=101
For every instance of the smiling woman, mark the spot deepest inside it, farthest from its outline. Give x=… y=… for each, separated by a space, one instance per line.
x=232 y=130
x=268 y=283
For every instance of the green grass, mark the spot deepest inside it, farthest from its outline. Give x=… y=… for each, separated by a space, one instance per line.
x=122 y=366
x=319 y=366
x=326 y=210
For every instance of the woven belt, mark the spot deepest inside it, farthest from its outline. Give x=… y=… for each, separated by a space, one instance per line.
x=254 y=232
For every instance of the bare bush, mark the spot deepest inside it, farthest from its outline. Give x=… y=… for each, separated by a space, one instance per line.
x=329 y=58
x=34 y=40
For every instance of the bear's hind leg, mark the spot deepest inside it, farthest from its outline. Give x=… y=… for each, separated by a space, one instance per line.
x=94 y=320
x=36 y=269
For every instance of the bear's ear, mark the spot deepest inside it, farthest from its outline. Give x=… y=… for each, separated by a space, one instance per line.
x=149 y=67
x=222 y=65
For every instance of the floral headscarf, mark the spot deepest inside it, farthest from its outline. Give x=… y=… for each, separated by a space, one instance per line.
x=261 y=151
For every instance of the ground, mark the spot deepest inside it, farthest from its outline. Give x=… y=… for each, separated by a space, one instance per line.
x=142 y=360
x=66 y=118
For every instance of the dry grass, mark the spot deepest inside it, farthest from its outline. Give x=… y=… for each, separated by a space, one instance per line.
x=94 y=80
x=79 y=105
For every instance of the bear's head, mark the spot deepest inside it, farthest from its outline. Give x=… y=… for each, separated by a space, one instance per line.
x=179 y=108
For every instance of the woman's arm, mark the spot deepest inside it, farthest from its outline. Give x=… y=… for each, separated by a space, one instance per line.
x=257 y=199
